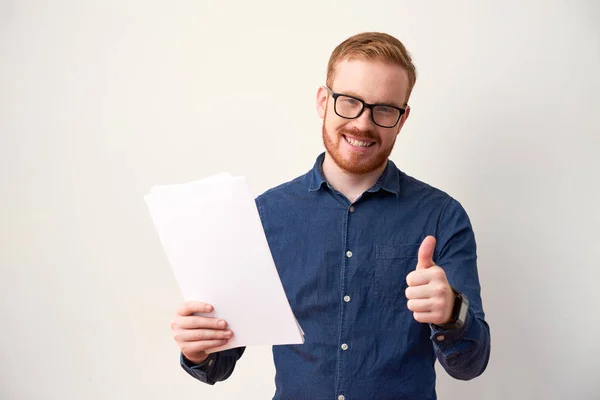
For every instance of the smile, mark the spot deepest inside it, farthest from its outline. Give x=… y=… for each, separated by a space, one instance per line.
x=358 y=143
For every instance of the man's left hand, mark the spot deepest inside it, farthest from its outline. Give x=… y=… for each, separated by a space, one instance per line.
x=429 y=294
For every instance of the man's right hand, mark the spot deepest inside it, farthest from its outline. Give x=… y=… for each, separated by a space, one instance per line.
x=195 y=334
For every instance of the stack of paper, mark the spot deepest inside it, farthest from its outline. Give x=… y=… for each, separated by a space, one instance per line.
x=215 y=243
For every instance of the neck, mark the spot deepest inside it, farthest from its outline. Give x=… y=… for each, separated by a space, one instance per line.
x=350 y=185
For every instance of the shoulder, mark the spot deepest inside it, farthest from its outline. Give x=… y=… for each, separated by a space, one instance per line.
x=292 y=186
x=289 y=191
x=420 y=190
x=429 y=197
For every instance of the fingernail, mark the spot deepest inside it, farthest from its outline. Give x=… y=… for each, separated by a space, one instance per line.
x=208 y=308
x=222 y=324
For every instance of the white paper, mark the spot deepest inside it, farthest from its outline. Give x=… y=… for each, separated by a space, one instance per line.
x=215 y=243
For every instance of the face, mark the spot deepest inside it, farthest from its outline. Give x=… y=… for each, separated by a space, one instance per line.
x=358 y=146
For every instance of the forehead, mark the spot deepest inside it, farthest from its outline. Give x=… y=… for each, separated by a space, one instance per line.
x=373 y=81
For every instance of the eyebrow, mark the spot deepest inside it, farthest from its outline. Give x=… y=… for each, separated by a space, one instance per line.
x=385 y=103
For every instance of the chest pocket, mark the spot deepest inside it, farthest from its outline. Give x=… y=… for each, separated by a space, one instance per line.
x=393 y=262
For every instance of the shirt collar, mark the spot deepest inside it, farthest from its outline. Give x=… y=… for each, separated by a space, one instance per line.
x=388 y=181
x=317 y=178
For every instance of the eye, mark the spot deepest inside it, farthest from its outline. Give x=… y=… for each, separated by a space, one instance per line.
x=350 y=101
x=385 y=110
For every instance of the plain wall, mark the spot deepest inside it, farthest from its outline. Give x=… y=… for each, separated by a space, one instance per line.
x=99 y=101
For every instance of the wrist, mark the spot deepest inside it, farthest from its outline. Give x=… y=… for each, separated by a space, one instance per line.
x=197 y=360
x=459 y=312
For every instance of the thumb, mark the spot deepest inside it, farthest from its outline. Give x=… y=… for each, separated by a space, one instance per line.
x=426 y=253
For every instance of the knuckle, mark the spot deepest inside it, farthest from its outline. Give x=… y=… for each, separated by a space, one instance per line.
x=183 y=309
x=439 y=290
x=178 y=337
x=201 y=346
x=199 y=322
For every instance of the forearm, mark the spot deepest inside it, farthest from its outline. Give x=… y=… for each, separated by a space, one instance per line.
x=464 y=353
x=217 y=367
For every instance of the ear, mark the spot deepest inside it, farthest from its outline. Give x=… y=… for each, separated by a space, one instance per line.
x=403 y=119
x=322 y=97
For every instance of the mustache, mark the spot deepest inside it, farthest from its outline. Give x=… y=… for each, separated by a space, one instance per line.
x=372 y=135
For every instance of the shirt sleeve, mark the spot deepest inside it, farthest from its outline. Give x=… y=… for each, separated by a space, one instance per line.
x=464 y=352
x=217 y=367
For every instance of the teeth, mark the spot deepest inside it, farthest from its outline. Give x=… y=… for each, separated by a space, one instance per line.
x=358 y=143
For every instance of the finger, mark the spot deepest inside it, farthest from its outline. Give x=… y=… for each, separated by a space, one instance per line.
x=419 y=305
x=191 y=307
x=205 y=345
x=424 y=317
x=199 y=335
x=425 y=257
x=419 y=292
x=418 y=277
x=196 y=322
x=431 y=317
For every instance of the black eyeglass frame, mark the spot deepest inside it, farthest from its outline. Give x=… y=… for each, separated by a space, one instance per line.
x=364 y=105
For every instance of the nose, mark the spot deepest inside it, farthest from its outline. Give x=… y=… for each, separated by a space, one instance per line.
x=364 y=121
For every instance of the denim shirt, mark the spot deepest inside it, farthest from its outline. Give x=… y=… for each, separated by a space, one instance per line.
x=343 y=266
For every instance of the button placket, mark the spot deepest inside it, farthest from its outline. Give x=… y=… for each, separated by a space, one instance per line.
x=348 y=264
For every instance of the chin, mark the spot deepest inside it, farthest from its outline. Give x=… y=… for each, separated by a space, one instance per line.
x=354 y=162
x=357 y=164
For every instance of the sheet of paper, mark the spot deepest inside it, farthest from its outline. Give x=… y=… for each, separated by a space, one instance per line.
x=214 y=241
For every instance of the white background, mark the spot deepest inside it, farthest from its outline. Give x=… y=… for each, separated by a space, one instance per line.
x=99 y=101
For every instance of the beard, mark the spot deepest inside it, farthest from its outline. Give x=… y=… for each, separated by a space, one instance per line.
x=356 y=163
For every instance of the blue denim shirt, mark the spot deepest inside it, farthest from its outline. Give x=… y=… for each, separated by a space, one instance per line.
x=343 y=267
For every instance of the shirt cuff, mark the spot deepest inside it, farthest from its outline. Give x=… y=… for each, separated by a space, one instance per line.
x=446 y=340
x=204 y=366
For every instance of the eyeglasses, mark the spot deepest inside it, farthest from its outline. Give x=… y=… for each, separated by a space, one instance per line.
x=351 y=107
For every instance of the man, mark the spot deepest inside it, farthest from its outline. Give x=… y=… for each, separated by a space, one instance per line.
x=379 y=268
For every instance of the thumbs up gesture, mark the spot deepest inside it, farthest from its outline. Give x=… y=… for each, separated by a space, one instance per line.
x=429 y=294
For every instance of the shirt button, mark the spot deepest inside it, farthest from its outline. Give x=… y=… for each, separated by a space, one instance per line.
x=347 y=299
x=348 y=254
x=344 y=346
x=341 y=397
x=440 y=338
x=351 y=210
